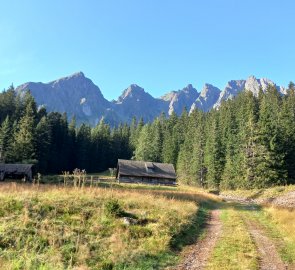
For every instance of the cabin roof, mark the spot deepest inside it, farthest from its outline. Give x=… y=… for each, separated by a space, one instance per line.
x=16 y=168
x=146 y=169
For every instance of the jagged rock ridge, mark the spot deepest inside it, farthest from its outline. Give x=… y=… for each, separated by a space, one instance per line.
x=207 y=98
x=178 y=100
x=78 y=96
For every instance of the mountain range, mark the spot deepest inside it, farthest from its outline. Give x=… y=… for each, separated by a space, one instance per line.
x=78 y=96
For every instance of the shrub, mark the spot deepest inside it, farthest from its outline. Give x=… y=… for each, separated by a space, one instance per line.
x=113 y=208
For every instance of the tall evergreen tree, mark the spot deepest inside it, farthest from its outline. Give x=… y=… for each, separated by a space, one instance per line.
x=5 y=138
x=43 y=139
x=25 y=138
x=213 y=155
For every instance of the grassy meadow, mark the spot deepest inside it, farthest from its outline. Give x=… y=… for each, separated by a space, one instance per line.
x=51 y=227
x=279 y=225
x=113 y=226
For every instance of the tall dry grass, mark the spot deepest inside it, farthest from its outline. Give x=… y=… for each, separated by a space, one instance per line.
x=53 y=227
x=284 y=222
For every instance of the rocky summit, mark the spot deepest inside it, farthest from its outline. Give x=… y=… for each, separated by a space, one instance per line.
x=78 y=96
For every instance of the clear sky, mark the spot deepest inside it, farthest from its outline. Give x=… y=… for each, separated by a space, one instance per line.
x=160 y=45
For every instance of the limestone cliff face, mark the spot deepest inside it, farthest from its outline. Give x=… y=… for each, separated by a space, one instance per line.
x=207 y=98
x=178 y=100
x=134 y=101
x=75 y=95
x=252 y=84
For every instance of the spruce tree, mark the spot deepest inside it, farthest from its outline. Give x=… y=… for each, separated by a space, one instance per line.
x=83 y=147
x=43 y=141
x=213 y=157
x=5 y=138
x=270 y=137
x=25 y=137
x=288 y=131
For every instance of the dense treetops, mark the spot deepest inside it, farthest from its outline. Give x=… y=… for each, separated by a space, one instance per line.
x=248 y=142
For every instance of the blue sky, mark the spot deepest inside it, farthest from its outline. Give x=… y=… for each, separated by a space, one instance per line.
x=161 y=45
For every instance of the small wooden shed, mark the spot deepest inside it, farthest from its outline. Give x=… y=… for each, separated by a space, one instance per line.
x=131 y=171
x=16 y=170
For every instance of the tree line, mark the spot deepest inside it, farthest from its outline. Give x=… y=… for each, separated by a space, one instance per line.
x=31 y=135
x=249 y=142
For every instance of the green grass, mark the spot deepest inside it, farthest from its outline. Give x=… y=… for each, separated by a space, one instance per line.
x=235 y=248
x=47 y=227
x=279 y=225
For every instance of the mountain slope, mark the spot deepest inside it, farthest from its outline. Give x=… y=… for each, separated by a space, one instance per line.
x=134 y=101
x=75 y=95
x=252 y=84
x=207 y=98
x=78 y=96
x=178 y=100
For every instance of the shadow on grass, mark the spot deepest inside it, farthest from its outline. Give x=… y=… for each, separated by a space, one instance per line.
x=194 y=230
x=240 y=206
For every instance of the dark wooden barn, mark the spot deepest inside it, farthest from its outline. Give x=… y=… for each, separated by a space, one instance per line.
x=16 y=170
x=131 y=171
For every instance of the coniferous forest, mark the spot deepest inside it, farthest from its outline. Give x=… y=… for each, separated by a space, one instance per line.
x=249 y=142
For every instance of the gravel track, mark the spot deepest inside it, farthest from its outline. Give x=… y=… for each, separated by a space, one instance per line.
x=269 y=258
x=197 y=257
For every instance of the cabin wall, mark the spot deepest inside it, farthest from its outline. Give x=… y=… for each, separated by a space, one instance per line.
x=15 y=170
x=146 y=180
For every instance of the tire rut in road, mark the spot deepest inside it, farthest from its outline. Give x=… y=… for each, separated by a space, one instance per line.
x=197 y=258
x=268 y=255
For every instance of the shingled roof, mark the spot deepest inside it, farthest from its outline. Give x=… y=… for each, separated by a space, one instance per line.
x=16 y=169
x=145 y=169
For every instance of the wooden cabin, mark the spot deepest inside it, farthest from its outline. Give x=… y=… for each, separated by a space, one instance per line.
x=16 y=171
x=131 y=171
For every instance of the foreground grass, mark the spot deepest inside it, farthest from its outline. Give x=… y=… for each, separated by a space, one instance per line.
x=279 y=224
x=235 y=248
x=65 y=228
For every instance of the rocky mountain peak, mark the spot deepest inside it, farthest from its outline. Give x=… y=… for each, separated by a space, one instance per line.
x=74 y=94
x=74 y=80
x=232 y=88
x=189 y=88
x=208 y=97
x=178 y=100
x=133 y=91
x=78 y=95
x=78 y=74
x=209 y=90
x=253 y=84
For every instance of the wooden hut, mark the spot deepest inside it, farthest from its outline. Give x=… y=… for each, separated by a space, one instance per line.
x=131 y=171
x=16 y=170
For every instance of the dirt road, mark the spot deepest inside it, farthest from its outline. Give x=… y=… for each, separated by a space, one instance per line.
x=197 y=257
